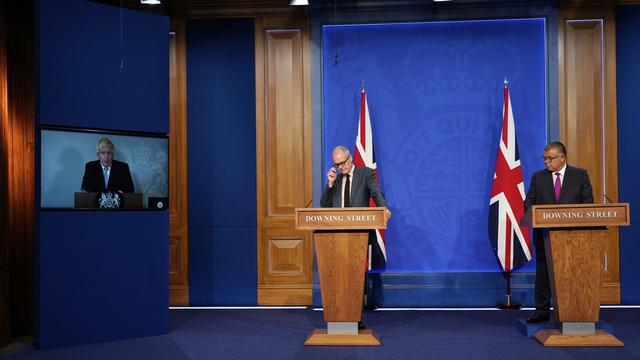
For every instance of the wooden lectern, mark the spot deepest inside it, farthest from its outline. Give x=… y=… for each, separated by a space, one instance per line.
x=87 y=200
x=575 y=251
x=341 y=241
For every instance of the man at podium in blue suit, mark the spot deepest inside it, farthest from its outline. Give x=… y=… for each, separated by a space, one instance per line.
x=559 y=183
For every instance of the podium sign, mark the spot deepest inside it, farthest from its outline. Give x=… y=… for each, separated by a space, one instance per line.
x=341 y=239
x=551 y=216
x=336 y=218
x=575 y=250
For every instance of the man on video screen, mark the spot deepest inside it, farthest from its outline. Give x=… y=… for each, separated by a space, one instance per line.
x=106 y=173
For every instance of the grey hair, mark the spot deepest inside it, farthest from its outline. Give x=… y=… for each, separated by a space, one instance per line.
x=342 y=148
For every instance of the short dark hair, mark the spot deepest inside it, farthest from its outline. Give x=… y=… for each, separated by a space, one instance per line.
x=558 y=146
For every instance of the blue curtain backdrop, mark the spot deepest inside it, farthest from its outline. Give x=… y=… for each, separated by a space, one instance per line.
x=435 y=99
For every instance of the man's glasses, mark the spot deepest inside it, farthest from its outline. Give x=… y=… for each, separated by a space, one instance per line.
x=341 y=164
x=549 y=158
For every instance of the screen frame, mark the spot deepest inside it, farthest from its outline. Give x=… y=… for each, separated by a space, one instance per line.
x=89 y=130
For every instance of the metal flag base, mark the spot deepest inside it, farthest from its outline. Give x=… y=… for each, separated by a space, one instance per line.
x=509 y=305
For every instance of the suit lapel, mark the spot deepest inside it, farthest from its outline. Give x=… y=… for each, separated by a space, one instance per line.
x=550 y=185
x=338 y=193
x=355 y=183
x=100 y=174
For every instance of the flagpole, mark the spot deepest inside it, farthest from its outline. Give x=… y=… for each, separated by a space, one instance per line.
x=506 y=264
x=508 y=305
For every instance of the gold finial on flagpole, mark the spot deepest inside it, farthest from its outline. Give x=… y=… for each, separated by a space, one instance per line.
x=506 y=83
x=362 y=85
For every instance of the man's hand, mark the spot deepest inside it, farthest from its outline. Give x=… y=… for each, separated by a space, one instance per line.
x=387 y=212
x=331 y=177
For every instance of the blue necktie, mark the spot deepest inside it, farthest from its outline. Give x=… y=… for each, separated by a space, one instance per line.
x=106 y=177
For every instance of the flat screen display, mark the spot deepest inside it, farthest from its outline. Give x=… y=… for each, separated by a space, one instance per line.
x=71 y=164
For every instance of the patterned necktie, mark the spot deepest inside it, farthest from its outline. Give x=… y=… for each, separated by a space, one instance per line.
x=105 y=171
x=558 y=187
x=347 y=190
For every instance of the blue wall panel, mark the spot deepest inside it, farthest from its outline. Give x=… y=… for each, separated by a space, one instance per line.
x=101 y=275
x=81 y=82
x=226 y=272
x=628 y=58
x=222 y=162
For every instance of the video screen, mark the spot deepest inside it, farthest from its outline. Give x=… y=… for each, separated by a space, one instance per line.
x=94 y=169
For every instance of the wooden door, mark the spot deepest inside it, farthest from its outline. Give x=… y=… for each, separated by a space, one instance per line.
x=283 y=149
x=178 y=220
x=588 y=117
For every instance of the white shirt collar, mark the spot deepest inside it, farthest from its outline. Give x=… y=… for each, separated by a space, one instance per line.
x=353 y=168
x=561 y=171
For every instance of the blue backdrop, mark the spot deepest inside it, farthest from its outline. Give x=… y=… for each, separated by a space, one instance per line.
x=435 y=99
x=628 y=78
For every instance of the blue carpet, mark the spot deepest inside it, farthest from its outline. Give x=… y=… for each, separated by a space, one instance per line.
x=280 y=334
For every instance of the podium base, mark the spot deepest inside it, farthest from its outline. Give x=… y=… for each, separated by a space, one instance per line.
x=553 y=337
x=365 y=337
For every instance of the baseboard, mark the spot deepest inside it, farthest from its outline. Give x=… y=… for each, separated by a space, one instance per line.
x=284 y=296
x=444 y=289
x=179 y=295
x=610 y=293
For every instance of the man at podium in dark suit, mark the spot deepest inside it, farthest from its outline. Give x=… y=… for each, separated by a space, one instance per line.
x=559 y=183
x=352 y=186
x=106 y=173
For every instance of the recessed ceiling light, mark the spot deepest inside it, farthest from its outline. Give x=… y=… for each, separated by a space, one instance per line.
x=298 y=2
x=150 y=2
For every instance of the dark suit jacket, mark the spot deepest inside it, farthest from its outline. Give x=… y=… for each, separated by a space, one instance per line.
x=576 y=189
x=363 y=186
x=119 y=177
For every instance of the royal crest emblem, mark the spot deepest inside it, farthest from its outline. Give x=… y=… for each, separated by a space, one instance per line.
x=109 y=200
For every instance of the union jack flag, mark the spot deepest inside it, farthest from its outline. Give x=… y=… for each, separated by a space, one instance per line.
x=365 y=156
x=510 y=240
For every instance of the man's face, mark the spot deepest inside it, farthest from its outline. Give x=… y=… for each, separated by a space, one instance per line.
x=553 y=160
x=106 y=156
x=342 y=162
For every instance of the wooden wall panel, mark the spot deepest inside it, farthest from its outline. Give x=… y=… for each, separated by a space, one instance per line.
x=18 y=172
x=284 y=144
x=178 y=215
x=285 y=259
x=4 y=125
x=283 y=169
x=588 y=120
x=17 y=168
